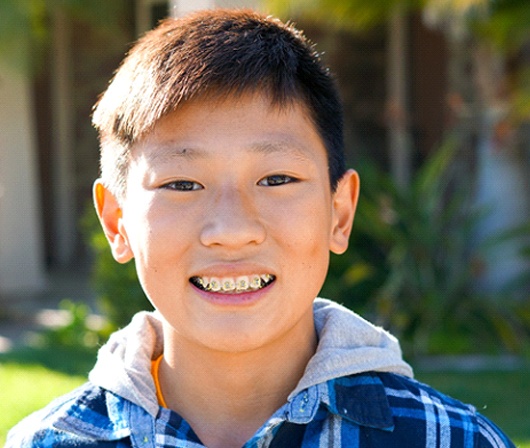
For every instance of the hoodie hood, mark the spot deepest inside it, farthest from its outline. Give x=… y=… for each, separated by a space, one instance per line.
x=123 y=366
x=348 y=344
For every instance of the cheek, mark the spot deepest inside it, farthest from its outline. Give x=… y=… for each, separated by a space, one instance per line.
x=157 y=239
x=308 y=227
x=304 y=232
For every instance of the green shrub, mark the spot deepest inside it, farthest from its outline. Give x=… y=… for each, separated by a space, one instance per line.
x=411 y=266
x=81 y=330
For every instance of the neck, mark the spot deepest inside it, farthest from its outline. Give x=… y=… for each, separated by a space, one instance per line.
x=226 y=397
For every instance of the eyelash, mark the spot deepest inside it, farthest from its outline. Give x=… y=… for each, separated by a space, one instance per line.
x=183 y=185
x=283 y=178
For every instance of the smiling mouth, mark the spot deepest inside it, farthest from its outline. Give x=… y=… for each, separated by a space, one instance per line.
x=233 y=285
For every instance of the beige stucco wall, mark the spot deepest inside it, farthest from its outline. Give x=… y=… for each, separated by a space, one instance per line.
x=21 y=258
x=238 y=4
x=181 y=7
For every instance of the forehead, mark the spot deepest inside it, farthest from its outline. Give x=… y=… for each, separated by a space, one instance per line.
x=251 y=121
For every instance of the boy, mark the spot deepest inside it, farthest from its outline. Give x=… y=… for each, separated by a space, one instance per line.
x=223 y=177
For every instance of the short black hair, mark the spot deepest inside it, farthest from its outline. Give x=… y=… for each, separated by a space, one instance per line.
x=216 y=53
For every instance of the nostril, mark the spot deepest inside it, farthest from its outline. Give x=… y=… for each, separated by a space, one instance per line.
x=233 y=231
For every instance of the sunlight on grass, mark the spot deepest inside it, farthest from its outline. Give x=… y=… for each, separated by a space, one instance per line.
x=26 y=388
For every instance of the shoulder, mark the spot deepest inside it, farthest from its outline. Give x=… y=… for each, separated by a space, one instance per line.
x=76 y=419
x=419 y=408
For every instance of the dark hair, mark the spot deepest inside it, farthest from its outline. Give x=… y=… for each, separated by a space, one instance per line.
x=214 y=52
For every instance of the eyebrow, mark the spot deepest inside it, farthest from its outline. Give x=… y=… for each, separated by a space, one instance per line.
x=283 y=146
x=168 y=151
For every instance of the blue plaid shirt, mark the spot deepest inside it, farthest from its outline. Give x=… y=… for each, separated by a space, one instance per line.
x=365 y=410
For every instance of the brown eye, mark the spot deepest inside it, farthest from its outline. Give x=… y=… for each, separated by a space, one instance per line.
x=275 y=180
x=183 y=185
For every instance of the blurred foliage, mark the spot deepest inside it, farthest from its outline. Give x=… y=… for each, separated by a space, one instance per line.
x=82 y=328
x=521 y=97
x=362 y=14
x=504 y=24
x=25 y=25
x=120 y=295
x=411 y=266
x=507 y=23
x=352 y=14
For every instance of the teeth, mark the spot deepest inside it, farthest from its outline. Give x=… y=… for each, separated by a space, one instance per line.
x=242 y=283
x=255 y=282
x=266 y=277
x=214 y=285
x=229 y=284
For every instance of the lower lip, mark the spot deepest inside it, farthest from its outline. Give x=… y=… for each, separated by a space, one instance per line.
x=242 y=299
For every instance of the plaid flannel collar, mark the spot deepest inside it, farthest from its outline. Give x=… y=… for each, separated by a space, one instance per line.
x=359 y=398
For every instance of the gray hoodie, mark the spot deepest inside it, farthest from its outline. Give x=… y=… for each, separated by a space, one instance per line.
x=348 y=344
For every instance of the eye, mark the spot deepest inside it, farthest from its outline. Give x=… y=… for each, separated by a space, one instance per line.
x=182 y=185
x=276 y=179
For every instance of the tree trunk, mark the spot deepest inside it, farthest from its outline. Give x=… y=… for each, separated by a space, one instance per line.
x=64 y=225
x=397 y=103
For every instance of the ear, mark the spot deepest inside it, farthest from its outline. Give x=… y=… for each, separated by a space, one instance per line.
x=343 y=211
x=110 y=217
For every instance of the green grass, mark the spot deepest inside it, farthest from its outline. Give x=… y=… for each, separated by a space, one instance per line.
x=503 y=397
x=26 y=388
x=30 y=378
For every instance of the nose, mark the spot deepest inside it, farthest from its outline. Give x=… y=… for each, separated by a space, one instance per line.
x=232 y=221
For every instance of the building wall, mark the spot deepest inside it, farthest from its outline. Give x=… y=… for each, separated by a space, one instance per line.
x=21 y=257
x=180 y=7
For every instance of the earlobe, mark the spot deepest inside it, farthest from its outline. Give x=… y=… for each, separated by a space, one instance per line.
x=110 y=217
x=344 y=205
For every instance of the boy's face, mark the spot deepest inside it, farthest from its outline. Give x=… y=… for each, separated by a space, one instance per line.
x=230 y=218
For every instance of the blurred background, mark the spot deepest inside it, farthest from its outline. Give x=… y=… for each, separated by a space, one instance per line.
x=437 y=118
